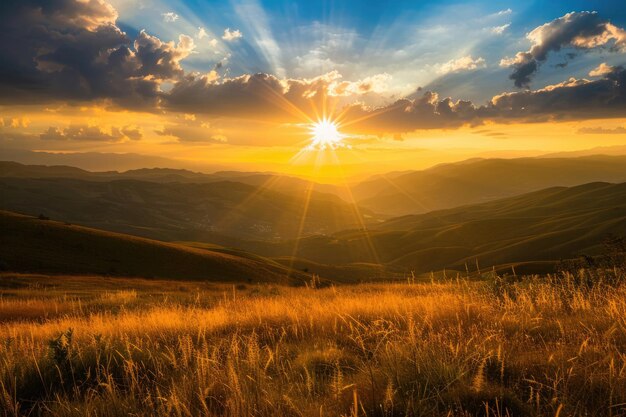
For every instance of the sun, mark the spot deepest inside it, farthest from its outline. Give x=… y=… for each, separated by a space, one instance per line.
x=325 y=135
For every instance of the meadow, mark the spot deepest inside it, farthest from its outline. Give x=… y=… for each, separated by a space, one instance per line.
x=504 y=346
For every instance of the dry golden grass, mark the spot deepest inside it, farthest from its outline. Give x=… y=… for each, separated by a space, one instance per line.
x=530 y=348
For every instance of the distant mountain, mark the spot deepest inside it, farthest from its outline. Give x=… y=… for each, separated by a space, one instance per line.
x=598 y=150
x=17 y=170
x=101 y=161
x=46 y=246
x=480 y=180
x=182 y=210
x=274 y=181
x=543 y=226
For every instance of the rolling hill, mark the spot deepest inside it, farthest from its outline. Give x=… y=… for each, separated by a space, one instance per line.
x=46 y=246
x=481 y=180
x=543 y=226
x=218 y=212
x=270 y=180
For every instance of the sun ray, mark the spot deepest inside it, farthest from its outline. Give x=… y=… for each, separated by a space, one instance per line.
x=303 y=216
x=357 y=212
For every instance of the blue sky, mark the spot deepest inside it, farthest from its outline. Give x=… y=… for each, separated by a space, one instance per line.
x=408 y=40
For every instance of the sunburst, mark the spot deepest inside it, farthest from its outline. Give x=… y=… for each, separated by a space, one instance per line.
x=325 y=135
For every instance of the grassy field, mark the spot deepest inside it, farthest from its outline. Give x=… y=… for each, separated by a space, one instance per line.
x=93 y=346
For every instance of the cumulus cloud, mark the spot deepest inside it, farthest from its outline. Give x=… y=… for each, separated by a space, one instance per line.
x=378 y=83
x=231 y=35
x=73 y=50
x=465 y=63
x=578 y=30
x=161 y=59
x=201 y=33
x=170 y=17
x=85 y=133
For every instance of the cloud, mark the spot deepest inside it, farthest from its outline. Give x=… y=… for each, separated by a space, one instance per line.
x=189 y=128
x=85 y=133
x=465 y=63
x=231 y=35
x=132 y=132
x=189 y=134
x=620 y=130
x=161 y=59
x=14 y=122
x=504 y=12
x=490 y=133
x=73 y=50
x=263 y=95
x=601 y=70
x=570 y=100
x=578 y=30
x=499 y=30
x=378 y=83
x=201 y=33
x=170 y=17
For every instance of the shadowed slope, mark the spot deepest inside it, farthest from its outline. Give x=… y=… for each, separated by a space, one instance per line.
x=33 y=245
x=547 y=225
x=178 y=211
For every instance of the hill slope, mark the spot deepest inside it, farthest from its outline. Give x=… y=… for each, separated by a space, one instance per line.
x=481 y=180
x=33 y=245
x=180 y=211
x=546 y=225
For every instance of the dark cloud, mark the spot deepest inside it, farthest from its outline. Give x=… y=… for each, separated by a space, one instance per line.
x=85 y=133
x=260 y=95
x=132 y=133
x=73 y=50
x=579 y=30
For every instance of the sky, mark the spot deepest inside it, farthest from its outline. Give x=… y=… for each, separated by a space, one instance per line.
x=242 y=84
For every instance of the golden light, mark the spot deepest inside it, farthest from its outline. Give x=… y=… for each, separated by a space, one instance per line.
x=325 y=135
